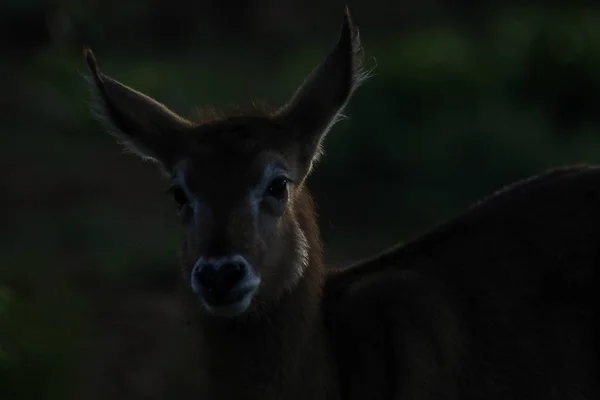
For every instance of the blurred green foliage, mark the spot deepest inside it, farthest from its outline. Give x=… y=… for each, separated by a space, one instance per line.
x=448 y=117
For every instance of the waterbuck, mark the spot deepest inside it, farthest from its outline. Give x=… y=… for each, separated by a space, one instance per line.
x=494 y=304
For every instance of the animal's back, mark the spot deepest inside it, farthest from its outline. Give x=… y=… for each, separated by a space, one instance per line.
x=494 y=304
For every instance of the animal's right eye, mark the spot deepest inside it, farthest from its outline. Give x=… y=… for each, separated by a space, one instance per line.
x=278 y=188
x=179 y=195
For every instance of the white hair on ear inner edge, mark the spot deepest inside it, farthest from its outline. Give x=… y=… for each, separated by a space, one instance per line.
x=98 y=110
x=359 y=76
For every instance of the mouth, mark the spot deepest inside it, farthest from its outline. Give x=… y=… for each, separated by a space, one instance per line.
x=233 y=303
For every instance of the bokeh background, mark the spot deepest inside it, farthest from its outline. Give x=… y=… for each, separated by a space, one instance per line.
x=465 y=98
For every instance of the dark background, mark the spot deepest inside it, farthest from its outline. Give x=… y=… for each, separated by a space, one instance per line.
x=466 y=97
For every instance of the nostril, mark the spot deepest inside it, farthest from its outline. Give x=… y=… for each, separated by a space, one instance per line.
x=230 y=274
x=208 y=275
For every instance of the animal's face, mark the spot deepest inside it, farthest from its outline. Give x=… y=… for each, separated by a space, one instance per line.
x=235 y=197
x=238 y=182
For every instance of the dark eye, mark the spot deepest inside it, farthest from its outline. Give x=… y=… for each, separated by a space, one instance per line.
x=278 y=188
x=179 y=196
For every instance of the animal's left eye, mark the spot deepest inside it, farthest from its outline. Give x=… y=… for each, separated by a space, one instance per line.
x=179 y=195
x=278 y=188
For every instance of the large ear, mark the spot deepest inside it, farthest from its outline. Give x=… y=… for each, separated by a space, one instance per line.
x=144 y=126
x=318 y=104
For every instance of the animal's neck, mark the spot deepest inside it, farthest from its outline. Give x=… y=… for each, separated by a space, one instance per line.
x=281 y=353
x=266 y=357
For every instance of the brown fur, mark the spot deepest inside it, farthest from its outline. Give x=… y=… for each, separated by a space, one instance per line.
x=271 y=354
x=495 y=304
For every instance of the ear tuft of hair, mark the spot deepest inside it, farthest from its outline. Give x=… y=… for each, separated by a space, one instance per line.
x=90 y=59
x=350 y=33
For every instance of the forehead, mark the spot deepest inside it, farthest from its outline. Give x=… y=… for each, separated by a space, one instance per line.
x=236 y=152
x=242 y=136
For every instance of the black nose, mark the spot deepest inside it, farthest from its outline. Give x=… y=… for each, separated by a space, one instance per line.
x=220 y=277
x=218 y=280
